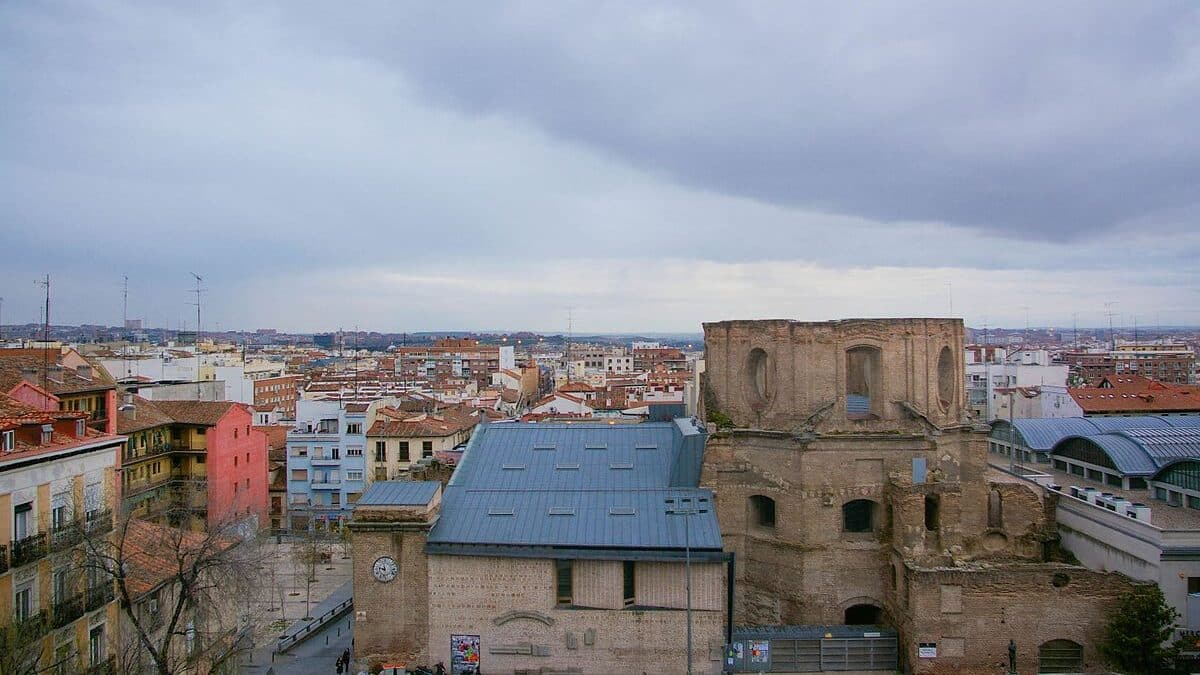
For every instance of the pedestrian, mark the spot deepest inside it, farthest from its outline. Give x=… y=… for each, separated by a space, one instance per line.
x=339 y=665
x=346 y=659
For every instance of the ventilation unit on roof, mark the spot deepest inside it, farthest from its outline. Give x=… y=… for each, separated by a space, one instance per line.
x=646 y=446
x=501 y=512
x=543 y=446
x=566 y=467
x=562 y=511
x=622 y=511
x=595 y=446
x=621 y=465
x=512 y=467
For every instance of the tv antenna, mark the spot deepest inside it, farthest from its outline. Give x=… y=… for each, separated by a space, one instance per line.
x=45 y=283
x=1112 y=342
x=199 y=289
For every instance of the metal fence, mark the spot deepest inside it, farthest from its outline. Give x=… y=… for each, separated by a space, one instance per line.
x=774 y=649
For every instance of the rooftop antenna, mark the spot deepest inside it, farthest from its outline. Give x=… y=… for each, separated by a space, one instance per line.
x=570 y=328
x=1075 y=327
x=1112 y=342
x=1135 y=330
x=199 y=289
x=45 y=283
x=950 y=292
x=1 y=319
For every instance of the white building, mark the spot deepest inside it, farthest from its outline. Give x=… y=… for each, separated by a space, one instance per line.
x=993 y=368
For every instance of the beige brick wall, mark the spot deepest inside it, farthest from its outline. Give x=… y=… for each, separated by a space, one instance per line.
x=469 y=594
x=392 y=619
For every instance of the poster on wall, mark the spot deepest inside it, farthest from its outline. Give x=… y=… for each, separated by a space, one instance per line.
x=760 y=652
x=464 y=654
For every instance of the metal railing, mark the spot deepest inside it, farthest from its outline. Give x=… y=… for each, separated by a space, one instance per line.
x=99 y=596
x=24 y=631
x=99 y=523
x=64 y=536
x=66 y=611
x=29 y=549
x=286 y=642
x=3 y=558
x=106 y=667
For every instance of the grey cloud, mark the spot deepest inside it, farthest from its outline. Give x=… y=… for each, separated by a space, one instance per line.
x=1046 y=121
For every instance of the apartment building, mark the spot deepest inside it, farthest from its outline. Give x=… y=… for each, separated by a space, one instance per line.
x=280 y=392
x=398 y=438
x=56 y=487
x=326 y=469
x=196 y=464
x=454 y=357
x=63 y=372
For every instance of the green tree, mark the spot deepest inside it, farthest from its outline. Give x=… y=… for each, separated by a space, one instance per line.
x=1138 y=636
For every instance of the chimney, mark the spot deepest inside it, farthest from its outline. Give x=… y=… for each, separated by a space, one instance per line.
x=84 y=371
x=29 y=374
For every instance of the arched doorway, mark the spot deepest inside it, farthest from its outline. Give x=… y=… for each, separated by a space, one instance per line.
x=863 y=615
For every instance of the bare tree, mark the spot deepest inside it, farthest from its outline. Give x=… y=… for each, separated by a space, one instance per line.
x=183 y=593
x=309 y=552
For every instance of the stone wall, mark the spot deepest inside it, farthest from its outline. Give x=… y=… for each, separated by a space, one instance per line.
x=392 y=618
x=972 y=613
x=788 y=375
x=510 y=604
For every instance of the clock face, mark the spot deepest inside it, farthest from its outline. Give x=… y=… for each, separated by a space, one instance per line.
x=385 y=569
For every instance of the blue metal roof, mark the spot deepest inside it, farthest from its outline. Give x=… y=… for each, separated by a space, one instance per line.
x=1045 y=433
x=1130 y=458
x=1167 y=445
x=585 y=485
x=399 y=493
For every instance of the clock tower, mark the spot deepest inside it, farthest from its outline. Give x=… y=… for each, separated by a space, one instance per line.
x=391 y=574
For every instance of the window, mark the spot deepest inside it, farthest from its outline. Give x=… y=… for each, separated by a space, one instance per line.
x=354 y=451
x=862 y=615
x=858 y=516
x=235 y=432
x=235 y=487
x=932 y=504
x=22 y=520
x=247 y=483
x=23 y=602
x=381 y=450
x=381 y=473
x=946 y=378
x=299 y=474
x=299 y=451
x=562 y=582
x=1193 y=585
x=1060 y=656
x=1136 y=483
x=61 y=584
x=235 y=460
x=403 y=451
x=335 y=499
x=762 y=511
x=629 y=583
x=427 y=448
x=757 y=377
x=47 y=433
x=334 y=453
x=354 y=475
x=354 y=428
x=995 y=509
x=862 y=382
x=247 y=458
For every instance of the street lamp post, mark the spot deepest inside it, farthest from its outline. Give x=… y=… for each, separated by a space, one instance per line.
x=686 y=507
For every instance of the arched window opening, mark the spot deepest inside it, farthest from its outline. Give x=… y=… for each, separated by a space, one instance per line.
x=862 y=382
x=945 y=378
x=858 y=516
x=757 y=376
x=995 y=509
x=762 y=511
x=932 y=505
x=863 y=615
x=1060 y=656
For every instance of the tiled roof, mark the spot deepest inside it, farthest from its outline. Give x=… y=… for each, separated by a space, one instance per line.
x=1134 y=393
x=145 y=415
x=58 y=381
x=408 y=425
x=204 y=413
x=15 y=414
x=155 y=553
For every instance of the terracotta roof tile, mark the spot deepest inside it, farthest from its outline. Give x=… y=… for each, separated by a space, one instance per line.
x=204 y=413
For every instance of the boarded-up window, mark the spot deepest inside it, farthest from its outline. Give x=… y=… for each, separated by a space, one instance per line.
x=563 y=582
x=762 y=511
x=858 y=516
x=995 y=509
x=862 y=382
x=951 y=599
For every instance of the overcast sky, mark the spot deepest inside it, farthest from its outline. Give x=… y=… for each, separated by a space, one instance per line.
x=422 y=166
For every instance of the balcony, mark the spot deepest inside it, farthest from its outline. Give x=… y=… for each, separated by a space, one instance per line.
x=64 y=537
x=3 y=559
x=99 y=522
x=24 y=631
x=98 y=596
x=29 y=549
x=63 y=613
x=106 y=667
x=325 y=460
x=327 y=484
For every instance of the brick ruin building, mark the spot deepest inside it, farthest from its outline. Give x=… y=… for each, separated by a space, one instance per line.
x=853 y=489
